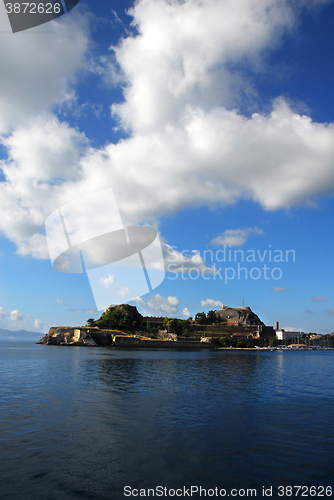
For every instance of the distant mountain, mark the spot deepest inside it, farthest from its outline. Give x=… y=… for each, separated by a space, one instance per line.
x=19 y=335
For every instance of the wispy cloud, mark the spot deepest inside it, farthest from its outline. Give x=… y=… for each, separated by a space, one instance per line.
x=62 y=302
x=235 y=237
x=279 y=289
x=292 y=329
x=117 y=19
x=124 y=291
x=92 y=311
x=318 y=299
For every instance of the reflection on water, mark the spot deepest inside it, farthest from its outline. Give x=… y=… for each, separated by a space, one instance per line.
x=86 y=422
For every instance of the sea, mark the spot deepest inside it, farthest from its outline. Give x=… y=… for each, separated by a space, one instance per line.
x=106 y=423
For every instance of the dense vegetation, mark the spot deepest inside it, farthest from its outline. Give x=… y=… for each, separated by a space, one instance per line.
x=178 y=326
x=125 y=318
x=229 y=342
x=207 y=319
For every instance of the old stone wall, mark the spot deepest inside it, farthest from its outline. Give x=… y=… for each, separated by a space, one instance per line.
x=121 y=341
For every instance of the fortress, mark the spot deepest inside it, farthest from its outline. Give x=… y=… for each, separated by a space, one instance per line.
x=239 y=323
x=232 y=323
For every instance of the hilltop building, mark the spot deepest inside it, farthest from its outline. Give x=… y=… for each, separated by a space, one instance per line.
x=234 y=323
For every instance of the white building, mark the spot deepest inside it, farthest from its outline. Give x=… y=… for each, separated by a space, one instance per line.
x=283 y=335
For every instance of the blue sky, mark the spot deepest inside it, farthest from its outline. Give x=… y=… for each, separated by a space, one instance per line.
x=211 y=121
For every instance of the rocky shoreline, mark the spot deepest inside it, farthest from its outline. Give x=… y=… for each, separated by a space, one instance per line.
x=92 y=337
x=69 y=336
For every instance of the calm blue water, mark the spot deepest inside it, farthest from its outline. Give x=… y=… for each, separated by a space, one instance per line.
x=84 y=423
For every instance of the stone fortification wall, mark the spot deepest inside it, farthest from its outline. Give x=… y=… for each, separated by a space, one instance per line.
x=121 y=341
x=217 y=331
x=225 y=328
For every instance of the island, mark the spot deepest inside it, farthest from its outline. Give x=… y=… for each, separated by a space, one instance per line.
x=123 y=326
x=226 y=328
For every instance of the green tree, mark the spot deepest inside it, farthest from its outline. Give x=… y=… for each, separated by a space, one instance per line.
x=211 y=317
x=185 y=325
x=200 y=318
x=91 y=322
x=148 y=327
x=174 y=326
x=165 y=324
x=125 y=318
x=171 y=325
x=224 y=342
x=273 y=341
x=241 y=343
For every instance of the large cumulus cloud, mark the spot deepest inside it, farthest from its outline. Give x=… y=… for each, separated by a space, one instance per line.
x=183 y=76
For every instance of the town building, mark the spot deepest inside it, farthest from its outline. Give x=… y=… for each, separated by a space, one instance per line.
x=283 y=335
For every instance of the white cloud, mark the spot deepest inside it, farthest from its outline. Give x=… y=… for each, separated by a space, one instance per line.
x=279 y=289
x=318 y=299
x=38 y=71
x=211 y=303
x=39 y=66
x=235 y=237
x=123 y=291
x=216 y=157
x=16 y=320
x=16 y=316
x=158 y=305
x=184 y=53
x=38 y=324
x=186 y=312
x=173 y=301
x=3 y=314
x=189 y=145
x=42 y=157
x=184 y=261
x=292 y=329
x=107 y=281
